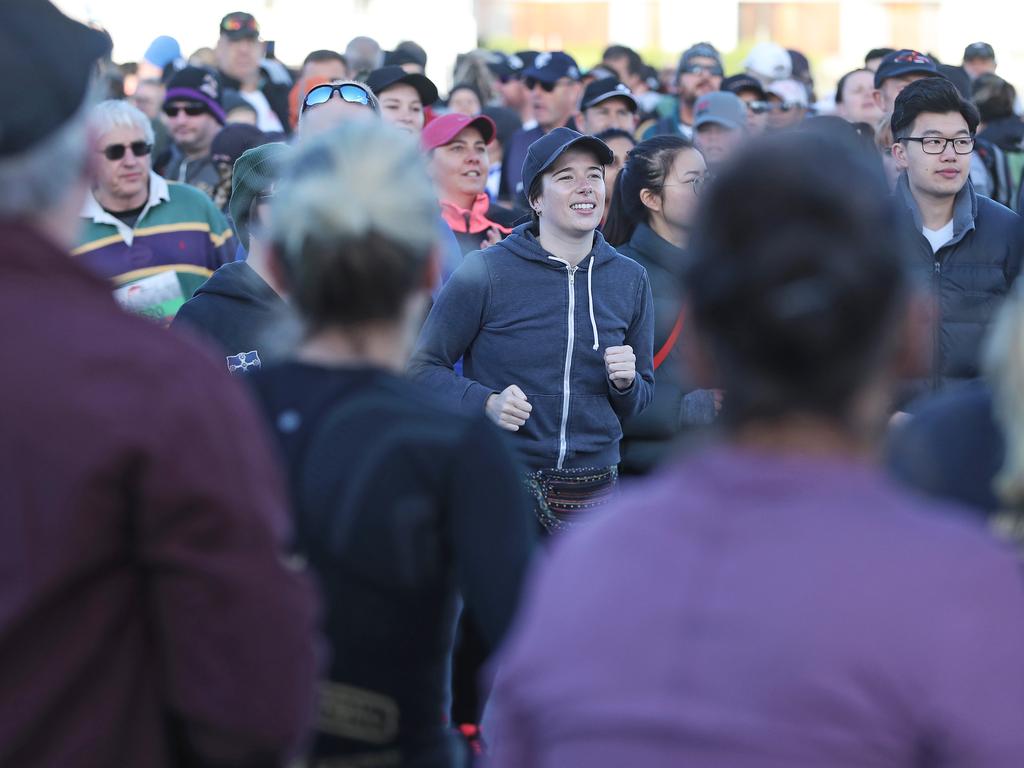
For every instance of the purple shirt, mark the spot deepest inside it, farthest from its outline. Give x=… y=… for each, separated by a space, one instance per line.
x=747 y=610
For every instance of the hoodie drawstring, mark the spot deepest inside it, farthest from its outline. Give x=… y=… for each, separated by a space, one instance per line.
x=590 y=296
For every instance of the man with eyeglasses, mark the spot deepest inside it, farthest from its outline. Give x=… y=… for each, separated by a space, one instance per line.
x=966 y=246
x=194 y=115
x=698 y=74
x=553 y=81
x=157 y=241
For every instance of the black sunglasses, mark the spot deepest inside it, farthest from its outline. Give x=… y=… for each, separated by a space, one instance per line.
x=532 y=82
x=116 y=151
x=321 y=94
x=192 y=110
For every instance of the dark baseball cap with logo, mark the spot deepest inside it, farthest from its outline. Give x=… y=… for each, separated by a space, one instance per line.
x=552 y=67
x=55 y=55
x=543 y=153
x=740 y=83
x=905 y=62
x=608 y=88
x=239 y=25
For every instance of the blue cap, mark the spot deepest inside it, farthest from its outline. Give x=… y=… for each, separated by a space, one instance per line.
x=545 y=150
x=552 y=67
x=905 y=62
x=162 y=51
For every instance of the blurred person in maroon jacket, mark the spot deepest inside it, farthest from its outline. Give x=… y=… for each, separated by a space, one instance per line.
x=147 y=616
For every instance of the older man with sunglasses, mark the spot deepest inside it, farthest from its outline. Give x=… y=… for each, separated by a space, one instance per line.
x=156 y=240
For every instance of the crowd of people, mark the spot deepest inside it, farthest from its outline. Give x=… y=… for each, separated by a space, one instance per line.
x=580 y=417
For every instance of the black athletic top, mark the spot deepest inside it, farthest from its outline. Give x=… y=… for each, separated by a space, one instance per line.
x=401 y=506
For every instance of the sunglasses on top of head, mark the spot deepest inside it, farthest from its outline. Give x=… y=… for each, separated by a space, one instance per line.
x=116 y=151
x=349 y=92
x=192 y=110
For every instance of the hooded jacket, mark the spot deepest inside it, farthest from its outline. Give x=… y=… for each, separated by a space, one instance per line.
x=235 y=309
x=517 y=315
x=969 y=276
x=677 y=403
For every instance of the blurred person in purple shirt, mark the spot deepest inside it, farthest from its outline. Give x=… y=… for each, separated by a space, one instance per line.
x=773 y=600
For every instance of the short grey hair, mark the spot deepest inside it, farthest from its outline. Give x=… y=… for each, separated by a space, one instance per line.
x=38 y=179
x=116 y=113
x=358 y=179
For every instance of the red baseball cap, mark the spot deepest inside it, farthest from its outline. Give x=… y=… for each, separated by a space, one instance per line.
x=441 y=130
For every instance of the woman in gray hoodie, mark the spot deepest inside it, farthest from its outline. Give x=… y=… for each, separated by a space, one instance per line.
x=555 y=331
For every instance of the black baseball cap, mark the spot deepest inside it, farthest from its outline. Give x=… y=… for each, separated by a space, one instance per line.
x=240 y=25
x=547 y=149
x=42 y=47
x=608 y=88
x=979 y=51
x=505 y=66
x=381 y=79
x=552 y=67
x=739 y=83
x=905 y=62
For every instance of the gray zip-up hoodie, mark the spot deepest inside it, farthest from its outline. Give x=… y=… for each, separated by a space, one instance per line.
x=517 y=315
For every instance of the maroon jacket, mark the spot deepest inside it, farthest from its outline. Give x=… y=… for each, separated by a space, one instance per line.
x=146 y=615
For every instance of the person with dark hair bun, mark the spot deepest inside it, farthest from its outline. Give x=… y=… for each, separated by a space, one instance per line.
x=653 y=208
x=966 y=246
x=774 y=599
x=402 y=506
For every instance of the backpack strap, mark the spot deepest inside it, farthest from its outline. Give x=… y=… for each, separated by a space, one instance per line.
x=670 y=342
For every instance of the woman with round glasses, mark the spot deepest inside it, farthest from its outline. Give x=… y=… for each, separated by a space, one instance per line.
x=653 y=208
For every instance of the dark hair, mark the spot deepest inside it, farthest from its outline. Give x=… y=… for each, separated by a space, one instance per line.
x=647 y=165
x=878 y=53
x=635 y=63
x=467 y=87
x=415 y=50
x=994 y=96
x=934 y=95
x=615 y=133
x=842 y=82
x=325 y=55
x=795 y=296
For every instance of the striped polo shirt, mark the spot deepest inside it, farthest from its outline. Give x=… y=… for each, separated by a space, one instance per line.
x=178 y=240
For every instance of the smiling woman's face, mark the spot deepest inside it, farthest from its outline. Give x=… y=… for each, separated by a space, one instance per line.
x=459 y=168
x=572 y=193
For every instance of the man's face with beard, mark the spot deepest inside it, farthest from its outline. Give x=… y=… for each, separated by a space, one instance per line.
x=701 y=75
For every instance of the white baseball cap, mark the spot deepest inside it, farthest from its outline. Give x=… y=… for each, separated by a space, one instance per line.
x=769 y=62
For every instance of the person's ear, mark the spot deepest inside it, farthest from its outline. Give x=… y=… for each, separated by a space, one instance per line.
x=650 y=200
x=277 y=273
x=877 y=95
x=899 y=154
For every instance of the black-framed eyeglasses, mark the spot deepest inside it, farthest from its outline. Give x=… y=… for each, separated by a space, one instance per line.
x=192 y=110
x=349 y=92
x=116 y=151
x=936 y=145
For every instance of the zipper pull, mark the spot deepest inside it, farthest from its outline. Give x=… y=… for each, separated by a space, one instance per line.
x=938 y=267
